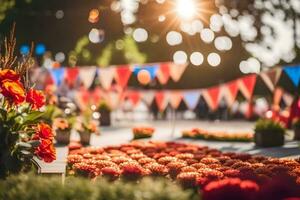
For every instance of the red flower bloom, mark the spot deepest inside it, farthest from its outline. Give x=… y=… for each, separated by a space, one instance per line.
x=231 y=188
x=8 y=74
x=46 y=151
x=35 y=98
x=13 y=90
x=44 y=131
x=132 y=171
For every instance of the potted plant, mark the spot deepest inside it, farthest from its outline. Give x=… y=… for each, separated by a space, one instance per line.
x=85 y=129
x=104 y=110
x=62 y=129
x=296 y=128
x=268 y=133
x=23 y=135
x=142 y=132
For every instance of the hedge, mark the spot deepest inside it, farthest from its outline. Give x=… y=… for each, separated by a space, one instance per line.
x=32 y=187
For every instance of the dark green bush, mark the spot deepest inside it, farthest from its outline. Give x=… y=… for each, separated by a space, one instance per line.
x=32 y=187
x=270 y=126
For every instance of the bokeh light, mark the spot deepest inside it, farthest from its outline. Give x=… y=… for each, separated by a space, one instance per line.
x=96 y=36
x=251 y=65
x=40 y=49
x=161 y=18
x=223 y=43
x=196 y=58
x=174 y=38
x=59 y=14
x=186 y=9
x=140 y=35
x=24 y=49
x=207 y=35
x=197 y=25
x=144 y=77
x=216 y=22
x=213 y=59
x=60 y=57
x=180 y=57
x=94 y=16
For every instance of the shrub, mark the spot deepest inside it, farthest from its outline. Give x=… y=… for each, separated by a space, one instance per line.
x=267 y=125
x=32 y=187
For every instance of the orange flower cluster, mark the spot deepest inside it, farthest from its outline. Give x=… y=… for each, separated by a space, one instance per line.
x=61 y=124
x=142 y=132
x=190 y=165
x=218 y=135
x=12 y=88
x=45 y=150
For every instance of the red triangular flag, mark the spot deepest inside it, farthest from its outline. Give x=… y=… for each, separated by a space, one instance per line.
x=211 y=96
x=246 y=85
x=134 y=97
x=161 y=101
x=72 y=75
x=163 y=73
x=232 y=89
x=96 y=96
x=122 y=75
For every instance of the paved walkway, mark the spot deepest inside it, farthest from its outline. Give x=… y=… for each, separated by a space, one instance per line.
x=169 y=131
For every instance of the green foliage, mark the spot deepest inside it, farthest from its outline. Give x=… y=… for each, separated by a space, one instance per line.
x=4 y=6
x=267 y=125
x=104 y=106
x=131 y=51
x=31 y=187
x=105 y=58
x=51 y=112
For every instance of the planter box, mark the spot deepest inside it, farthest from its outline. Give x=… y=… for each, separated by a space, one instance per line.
x=268 y=139
x=85 y=138
x=63 y=136
x=105 y=118
x=296 y=133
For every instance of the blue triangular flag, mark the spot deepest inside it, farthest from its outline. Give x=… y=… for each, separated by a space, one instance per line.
x=191 y=99
x=293 y=73
x=57 y=75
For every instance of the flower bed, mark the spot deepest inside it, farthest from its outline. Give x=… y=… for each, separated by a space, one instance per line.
x=191 y=165
x=218 y=135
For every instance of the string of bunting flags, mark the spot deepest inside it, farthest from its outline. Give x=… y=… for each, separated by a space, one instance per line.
x=120 y=75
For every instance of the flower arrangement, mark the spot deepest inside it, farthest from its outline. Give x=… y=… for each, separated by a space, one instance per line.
x=22 y=134
x=142 y=132
x=269 y=133
x=85 y=128
x=62 y=129
x=218 y=135
x=191 y=165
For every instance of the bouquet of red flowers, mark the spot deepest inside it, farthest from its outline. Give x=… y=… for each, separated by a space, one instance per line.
x=142 y=132
x=22 y=134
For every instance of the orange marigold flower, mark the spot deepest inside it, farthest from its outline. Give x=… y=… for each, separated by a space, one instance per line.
x=35 y=98
x=8 y=74
x=46 y=151
x=112 y=173
x=13 y=90
x=44 y=131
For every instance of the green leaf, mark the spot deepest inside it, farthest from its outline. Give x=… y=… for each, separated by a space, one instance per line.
x=32 y=117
